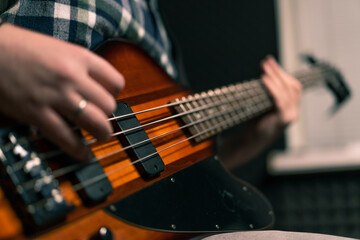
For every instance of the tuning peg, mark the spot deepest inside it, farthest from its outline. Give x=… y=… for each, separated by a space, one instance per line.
x=333 y=80
x=310 y=59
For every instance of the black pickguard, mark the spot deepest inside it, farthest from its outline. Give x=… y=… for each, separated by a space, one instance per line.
x=200 y=198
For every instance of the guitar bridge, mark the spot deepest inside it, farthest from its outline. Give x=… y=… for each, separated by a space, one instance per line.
x=29 y=183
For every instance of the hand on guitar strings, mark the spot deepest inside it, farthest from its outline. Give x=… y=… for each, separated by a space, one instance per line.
x=259 y=133
x=285 y=91
x=48 y=83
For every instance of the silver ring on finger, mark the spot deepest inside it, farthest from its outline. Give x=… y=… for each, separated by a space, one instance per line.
x=80 y=108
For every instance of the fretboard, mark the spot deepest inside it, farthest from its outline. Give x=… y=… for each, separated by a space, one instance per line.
x=207 y=113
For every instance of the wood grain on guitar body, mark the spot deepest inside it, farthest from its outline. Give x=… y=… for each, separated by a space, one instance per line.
x=178 y=190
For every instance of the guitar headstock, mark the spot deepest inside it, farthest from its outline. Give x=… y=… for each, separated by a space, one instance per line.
x=334 y=80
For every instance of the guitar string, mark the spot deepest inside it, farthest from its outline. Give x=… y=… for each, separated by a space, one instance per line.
x=306 y=79
x=82 y=185
x=180 y=114
x=188 y=112
x=233 y=99
x=55 y=153
x=179 y=102
x=71 y=168
x=318 y=71
x=197 y=109
x=239 y=107
x=244 y=89
x=95 y=179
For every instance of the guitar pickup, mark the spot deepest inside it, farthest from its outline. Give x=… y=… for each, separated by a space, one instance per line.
x=95 y=187
x=141 y=150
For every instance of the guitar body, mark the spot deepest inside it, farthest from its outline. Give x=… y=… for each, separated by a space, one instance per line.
x=194 y=193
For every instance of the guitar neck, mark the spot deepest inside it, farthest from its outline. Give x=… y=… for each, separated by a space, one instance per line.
x=209 y=113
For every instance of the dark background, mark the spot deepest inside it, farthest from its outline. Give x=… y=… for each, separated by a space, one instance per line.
x=221 y=41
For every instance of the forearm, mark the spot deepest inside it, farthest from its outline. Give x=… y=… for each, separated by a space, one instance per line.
x=250 y=141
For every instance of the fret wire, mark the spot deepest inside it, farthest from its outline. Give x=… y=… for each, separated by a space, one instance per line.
x=245 y=115
x=242 y=116
x=219 y=119
x=99 y=177
x=76 y=166
x=261 y=93
x=79 y=186
x=263 y=108
x=206 y=124
x=249 y=106
x=227 y=91
x=307 y=80
x=195 y=116
x=260 y=96
x=262 y=104
x=247 y=99
x=236 y=99
x=236 y=95
x=210 y=111
x=233 y=95
x=239 y=118
x=241 y=99
x=252 y=102
x=188 y=117
x=220 y=95
x=227 y=95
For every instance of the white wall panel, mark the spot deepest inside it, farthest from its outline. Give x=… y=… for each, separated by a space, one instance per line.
x=329 y=29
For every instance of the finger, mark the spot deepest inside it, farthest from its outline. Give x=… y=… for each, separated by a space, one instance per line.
x=63 y=136
x=275 y=66
x=95 y=93
x=275 y=92
x=284 y=78
x=290 y=84
x=94 y=121
x=89 y=117
x=273 y=76
x=106 y=75
x=283 y=102
x=296 y=85
x=295 y=90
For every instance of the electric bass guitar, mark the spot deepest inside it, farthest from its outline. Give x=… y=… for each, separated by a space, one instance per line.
x=158 y=177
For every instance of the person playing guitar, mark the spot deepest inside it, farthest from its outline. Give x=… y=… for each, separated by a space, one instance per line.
x=51 y=80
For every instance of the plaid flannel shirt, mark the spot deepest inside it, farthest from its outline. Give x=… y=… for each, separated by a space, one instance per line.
x=90 y=22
